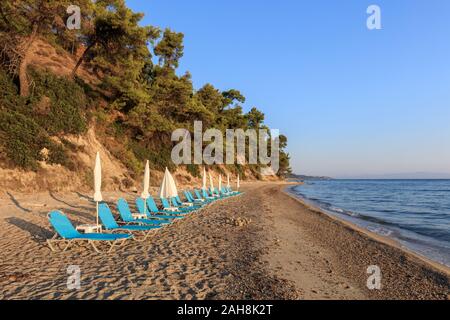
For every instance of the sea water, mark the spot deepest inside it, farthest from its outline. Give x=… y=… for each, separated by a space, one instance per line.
x=415 y=213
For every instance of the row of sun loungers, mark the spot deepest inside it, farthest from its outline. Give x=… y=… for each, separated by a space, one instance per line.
x=131 y=226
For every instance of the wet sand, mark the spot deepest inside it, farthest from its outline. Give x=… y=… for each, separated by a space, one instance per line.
x=260 y=245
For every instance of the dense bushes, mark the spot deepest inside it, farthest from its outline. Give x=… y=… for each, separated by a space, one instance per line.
x=194 y=170
x=23 y=139
x=66 y=113
x=140 y=99
x=160 y=159
x=27 y=124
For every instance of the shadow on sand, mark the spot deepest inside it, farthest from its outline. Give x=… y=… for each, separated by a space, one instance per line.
x=83 y=196
x=90 y=199
x=81 y=214
x=17 y=203
x=54 y=197
x=37 y=233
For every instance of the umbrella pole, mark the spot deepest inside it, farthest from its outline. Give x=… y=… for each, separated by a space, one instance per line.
x=97 y=212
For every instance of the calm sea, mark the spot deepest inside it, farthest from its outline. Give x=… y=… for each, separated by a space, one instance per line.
x=416 y=213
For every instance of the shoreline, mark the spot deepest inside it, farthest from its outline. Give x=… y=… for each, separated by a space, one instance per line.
x=377 y=237
x=262 y=245
x=347 y=253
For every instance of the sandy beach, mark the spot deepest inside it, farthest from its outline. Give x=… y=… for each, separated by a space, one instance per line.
x=263 y=244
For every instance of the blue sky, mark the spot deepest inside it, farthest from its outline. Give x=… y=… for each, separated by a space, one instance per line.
x=353 y=102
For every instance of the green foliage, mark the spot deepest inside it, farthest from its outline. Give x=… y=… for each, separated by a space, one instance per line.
x=255 y=118
x=138 y=102
x=284 y=168
x=9 y=93
x=58 y=155
x=240 y=171
x=68 y=101
x=170 y=49
x=116 y=47
x=128 y=158
x=194 y=170
x=160 y=158
x=22 y=17
x=24 y=139
x=26 y=132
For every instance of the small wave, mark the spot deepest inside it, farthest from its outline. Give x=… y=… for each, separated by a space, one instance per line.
x=381 y=231
x=346 y=212
x=337 y=209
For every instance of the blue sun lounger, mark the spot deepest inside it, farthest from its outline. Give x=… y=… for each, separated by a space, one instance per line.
x=65 y=229
x=219 y=194
x=234 y=193
x=149 y=211
x=190 y=205
x=226 y=192
x=186 y=207
x=166 y=205
x=127 y=216
x=191 y=199
x=207 y=195
x=203 y=196
x=107 y=218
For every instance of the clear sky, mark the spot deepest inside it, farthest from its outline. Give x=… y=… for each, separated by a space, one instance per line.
x=353 y=102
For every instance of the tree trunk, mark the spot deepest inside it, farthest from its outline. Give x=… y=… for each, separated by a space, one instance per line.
x=23 y=76
x=80 y=61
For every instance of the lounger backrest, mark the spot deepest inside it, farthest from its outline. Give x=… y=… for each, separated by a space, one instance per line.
x=106 y=216
x=175 y=201
x=165 y=203
x=188 y=196
x=179 y=200
x=205 y=193
x=140 y=205
x=197 y=193
x=152 y=205
x=124 y=210
x=62 y=225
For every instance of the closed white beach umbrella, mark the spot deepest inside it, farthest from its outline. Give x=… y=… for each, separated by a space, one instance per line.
x=238 y=184
x=228 y=180
x=145 y=194
x=211 y=185
x=98 y=181
x=220 y=183
x=168 y=187
x=204 y=179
